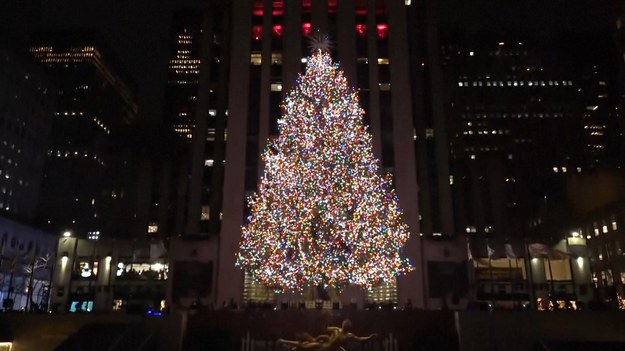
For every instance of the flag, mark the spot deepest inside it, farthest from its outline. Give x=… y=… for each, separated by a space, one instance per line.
x=510 y=254
x=491 y=251
x=538 y=250
x=559 y=254
x=157 y=250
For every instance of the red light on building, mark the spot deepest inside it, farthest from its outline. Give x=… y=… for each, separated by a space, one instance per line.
x=361 y=30
x=257 y=32
x=278 y=7
x=257 y=8
x=331 y=6
x=382 y=31
x=277 y=30
x=306 y=28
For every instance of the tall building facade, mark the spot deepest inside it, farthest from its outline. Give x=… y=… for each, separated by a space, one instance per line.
x=27 y=106
x=95 y=99
x=526 y=117
x=253 y=52
x=183 y=72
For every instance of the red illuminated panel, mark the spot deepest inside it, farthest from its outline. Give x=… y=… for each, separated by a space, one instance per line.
x=382 y=31
x=278 y=6
x=361 y=30
x=306 y=28
x=257 y=8
x=331 y=6
x=277 y=30
x=257 y=32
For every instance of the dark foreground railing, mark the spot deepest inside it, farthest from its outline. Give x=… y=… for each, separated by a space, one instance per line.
x=260 y=330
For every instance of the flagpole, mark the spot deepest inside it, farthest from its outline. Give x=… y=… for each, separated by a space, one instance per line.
x=550 y=276
x=51 y=270
x=569 y=256
x=490 y=268
x=71 y=272
x=3 y=243
x=530 y=274
x=91 y=277
x=511 y=281
x=13 y=264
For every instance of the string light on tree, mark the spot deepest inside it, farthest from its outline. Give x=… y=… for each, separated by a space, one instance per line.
x=322 y=214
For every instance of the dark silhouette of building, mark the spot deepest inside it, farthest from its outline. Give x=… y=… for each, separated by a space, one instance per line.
x=95 y=100
x=527 y=114
x=27 y=105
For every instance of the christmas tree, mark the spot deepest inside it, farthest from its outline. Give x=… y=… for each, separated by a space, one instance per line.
x=322 y=215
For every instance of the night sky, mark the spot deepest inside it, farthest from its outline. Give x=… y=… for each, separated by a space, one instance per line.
x=138 y=30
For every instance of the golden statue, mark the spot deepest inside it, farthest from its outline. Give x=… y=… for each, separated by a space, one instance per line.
x=333 y=341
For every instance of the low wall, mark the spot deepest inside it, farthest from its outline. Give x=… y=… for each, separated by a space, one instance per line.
x=41 y=332
x=412 y=330
x=523 y=331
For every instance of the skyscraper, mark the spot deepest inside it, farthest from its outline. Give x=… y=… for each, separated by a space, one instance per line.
x=95 y=99
x=183 y=71
x=27 y=104
x=527 y=116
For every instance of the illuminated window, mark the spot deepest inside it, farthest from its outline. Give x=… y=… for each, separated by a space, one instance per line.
x=256 y=58
x=142 y=271
x=255 y=292
x=429 y=133
x=382 y=61
x=383 y=293
x=276 y=58
x=205 y=215
x=276 y=86
x=152 y=228
x=87 y=269
x=81 y=306
x=118 y=305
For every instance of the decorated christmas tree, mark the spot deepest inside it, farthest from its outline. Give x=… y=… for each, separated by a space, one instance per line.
x=323 y=214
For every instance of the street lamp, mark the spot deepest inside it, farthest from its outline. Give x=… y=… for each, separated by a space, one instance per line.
x=67 y=233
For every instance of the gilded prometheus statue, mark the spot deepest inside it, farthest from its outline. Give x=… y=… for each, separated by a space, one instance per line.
x=333 y=341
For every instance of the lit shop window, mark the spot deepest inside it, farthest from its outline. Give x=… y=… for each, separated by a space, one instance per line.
x=81 y=306
x=87 y=269
x=152 y=228
x=142 y=271
x=205 y=214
